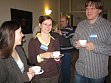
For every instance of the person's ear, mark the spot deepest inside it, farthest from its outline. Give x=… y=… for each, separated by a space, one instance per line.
x=100 y=11
x=39 y=25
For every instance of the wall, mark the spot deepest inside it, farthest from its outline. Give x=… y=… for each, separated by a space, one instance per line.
x=34 y=6
x=76 y=9
x=64 y=6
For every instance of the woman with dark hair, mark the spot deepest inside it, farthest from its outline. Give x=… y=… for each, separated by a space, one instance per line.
x=41 y=48
x=13 y=62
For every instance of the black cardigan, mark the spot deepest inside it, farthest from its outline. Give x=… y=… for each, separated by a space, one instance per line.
x=9 y=70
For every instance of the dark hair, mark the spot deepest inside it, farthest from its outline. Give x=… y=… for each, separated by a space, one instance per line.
x=43 y=18
x=98 y=4
x=67 y=18
x=7 y=37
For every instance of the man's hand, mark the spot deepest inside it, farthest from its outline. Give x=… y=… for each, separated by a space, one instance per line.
x=59 y=31
x=77 y=44
x=90 y=46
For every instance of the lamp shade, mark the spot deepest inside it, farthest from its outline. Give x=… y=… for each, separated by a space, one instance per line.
x=48 y=12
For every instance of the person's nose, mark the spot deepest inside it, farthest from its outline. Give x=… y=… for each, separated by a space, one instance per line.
x=23 y=35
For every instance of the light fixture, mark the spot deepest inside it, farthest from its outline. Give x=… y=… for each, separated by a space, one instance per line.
x=48 y=12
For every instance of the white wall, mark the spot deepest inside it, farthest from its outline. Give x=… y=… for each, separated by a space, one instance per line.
x=64 y=6
x=34 y=6
x=76 y=7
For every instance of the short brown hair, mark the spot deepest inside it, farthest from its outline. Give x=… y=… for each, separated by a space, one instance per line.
x=98 y=4
x=43 y=18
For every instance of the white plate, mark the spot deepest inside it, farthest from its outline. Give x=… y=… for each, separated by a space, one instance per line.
x=56 y=54
x=42 y=71
x=61 y=55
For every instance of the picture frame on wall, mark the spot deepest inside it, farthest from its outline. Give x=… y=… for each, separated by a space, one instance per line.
x=24 y=18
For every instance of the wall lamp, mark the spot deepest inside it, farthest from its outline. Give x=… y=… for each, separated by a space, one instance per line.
x=48 y=12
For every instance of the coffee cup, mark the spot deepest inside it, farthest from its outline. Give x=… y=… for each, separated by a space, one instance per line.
x=56 y=54
x=37 y=69
x=83 y=42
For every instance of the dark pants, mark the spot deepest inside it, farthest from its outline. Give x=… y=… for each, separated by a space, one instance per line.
x=66 y=67
x=81 y=79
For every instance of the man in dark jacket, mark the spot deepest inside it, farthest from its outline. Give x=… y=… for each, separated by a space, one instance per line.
x=66 y=34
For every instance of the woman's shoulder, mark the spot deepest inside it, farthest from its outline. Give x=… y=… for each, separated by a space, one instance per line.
x=33 y=39
x=3 y=71
x=2 y=62
x=3 y=65
x=33 y=43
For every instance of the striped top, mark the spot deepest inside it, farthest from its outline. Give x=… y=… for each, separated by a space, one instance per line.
x=65 y=40
x=94 y=64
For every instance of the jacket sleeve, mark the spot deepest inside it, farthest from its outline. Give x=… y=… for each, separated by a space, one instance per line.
x=25 y=77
